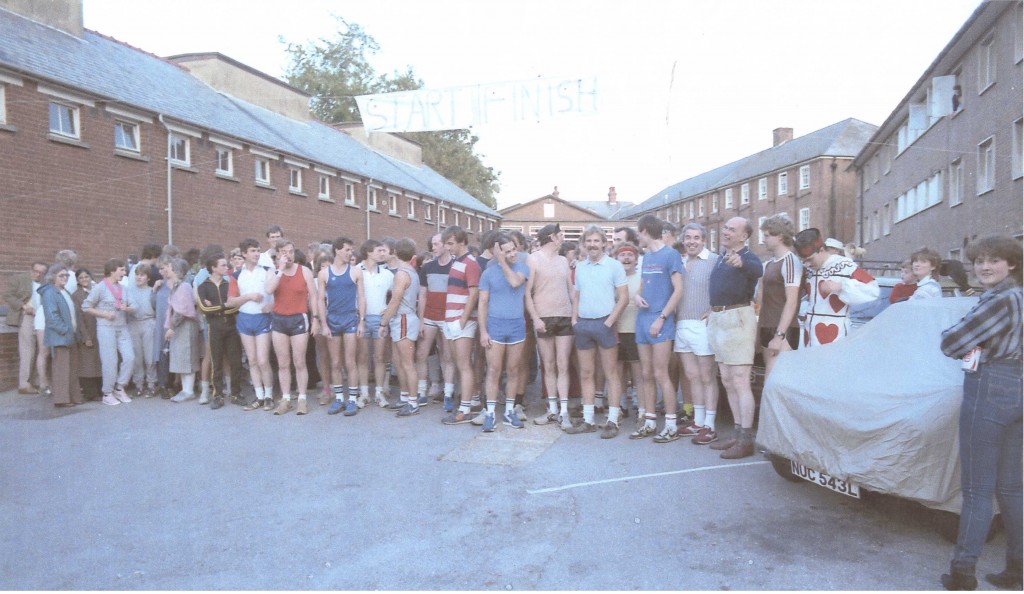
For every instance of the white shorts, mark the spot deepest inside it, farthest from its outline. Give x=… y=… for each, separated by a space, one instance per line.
x=692 y=337
x=455 y=331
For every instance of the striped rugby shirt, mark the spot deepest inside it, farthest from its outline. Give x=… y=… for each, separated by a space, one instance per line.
x=463 y=276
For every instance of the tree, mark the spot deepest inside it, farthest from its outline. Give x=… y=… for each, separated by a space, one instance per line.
x=335 y=70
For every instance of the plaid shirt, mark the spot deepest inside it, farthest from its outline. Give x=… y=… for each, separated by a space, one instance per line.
x=994 y=324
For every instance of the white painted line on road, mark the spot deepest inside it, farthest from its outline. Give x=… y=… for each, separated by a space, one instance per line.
x=642 y=476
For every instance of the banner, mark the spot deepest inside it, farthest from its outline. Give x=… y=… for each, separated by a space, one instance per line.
x=456 y=108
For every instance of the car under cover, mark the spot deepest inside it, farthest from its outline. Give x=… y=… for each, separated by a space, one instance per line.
x=879 y=408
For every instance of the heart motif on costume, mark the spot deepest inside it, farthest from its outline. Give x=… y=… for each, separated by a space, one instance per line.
x=836 y=303
x=826 y=333
x=821 y=289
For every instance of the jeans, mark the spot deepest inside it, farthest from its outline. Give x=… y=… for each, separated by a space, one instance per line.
x=990 y=458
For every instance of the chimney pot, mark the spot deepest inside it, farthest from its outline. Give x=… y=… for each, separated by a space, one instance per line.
x=781 y=136
x=612 y=196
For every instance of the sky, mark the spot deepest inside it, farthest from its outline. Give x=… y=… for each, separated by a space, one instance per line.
x=683 y=86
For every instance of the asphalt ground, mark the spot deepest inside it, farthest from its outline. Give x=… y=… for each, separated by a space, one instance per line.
x=153 y=495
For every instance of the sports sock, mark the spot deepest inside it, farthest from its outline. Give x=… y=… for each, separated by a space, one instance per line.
x=588 y=413
x=699 y=412
x=709 y=419
x=553 y=406
x=338 y=393
x=353 y=393
x=510 y=405
x=421 y=388
x=651 y=420
x=563 y=407
x=670 y=422
x=613 y=414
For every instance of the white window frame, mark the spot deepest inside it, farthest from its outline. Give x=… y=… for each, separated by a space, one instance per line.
x=700 y=207
x=324 y=192
x=3 y=103
x=410 y=208
x=549 y=210
x=986 y=165
x=745 y=194
x=125 y=129
x=922 y=196
x=760 y=232
x=713 y=236
x=1017 y=156
x=805 y=177
x=455 y=218
x=986 y=63
x=691 y=210
x=783 y=183
x=886 y=219
x=714 y=203
x=261 y=170
x=392 y=203
x=956 y=182
x=225 y=164
x=68 y=120
x=294 y=179
x=804 y=219
x=442 y=215
x=371 y=198
x=176 y=145
x=728 y=199
x=350 y=193
x=428 y=211
x=480 y=224
x=762 y=188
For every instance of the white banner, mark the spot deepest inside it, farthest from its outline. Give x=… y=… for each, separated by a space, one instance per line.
x=456 y=108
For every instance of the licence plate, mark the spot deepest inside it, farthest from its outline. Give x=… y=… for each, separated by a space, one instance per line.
x=823 y=480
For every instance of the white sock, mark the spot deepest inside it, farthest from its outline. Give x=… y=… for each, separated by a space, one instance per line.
x=670 y=422
x=491 y=406
x=588 y=413
x=553 y=406
x=698 y=415
x=709 y=419
x=449 y=390
x=421 y=388
x=286 y=396
x=613 y=414
x=205 y=387
x=188 y=383
x=563 y=407
x=302 y=396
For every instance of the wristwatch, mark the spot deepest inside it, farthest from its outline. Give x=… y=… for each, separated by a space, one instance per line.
x=663 y=316
x=780 y=334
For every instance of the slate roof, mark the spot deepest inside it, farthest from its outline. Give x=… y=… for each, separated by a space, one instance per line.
x=119 y=74
x=842 y=139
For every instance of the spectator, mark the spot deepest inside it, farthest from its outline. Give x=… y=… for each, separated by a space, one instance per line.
x=907 y=285
x=21 y=314
x=90 y=370
x=925 y=265
x=181 y=328
x=61 y=335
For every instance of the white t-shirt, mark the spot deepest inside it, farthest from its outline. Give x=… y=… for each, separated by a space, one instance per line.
x=375 y=288
x=254 y=281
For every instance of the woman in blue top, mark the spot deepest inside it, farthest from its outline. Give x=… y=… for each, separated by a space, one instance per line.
x=60 y=335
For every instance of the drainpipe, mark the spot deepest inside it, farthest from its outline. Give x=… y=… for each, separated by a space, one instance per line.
x=832 y=200
x=170 y=200
x=370 y=183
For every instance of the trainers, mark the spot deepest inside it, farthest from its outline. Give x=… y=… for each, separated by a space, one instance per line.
x=256 y=404
x=689 y=429
x=301 y=408
x=666 y=436
x=457 y=417
x=408 y=410
x=488 y=422
x=546 y=418
x=610 y=430
x=707 y=435
x=109 y=400
x=382 y=400
x=204 y=398
x=643 y=432
x=121 y=395
x=363 y=400
x=351 y=408
x=268 y=404
x=512 y=419
x=738 y=450
x=183 y=396
x=520 y=412
x=283 y=407
x=476 y=408
x=449 y=404
x=423 y=400
x=566 y=423
x=325 y=398
x=336 y=407
x=396 y=406
x=149 y=392
x=217 y=403
x=724 y=445
x=583 y=427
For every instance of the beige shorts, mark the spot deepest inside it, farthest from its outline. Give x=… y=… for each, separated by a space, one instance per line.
x=455 y=331
x=731 y=335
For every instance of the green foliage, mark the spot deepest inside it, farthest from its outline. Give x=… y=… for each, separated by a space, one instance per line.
x=335 y=70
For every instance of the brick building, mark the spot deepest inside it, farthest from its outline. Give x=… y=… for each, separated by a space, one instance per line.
x=574 y=216
x=104 y=147
x=806 y=177
x=950 y=172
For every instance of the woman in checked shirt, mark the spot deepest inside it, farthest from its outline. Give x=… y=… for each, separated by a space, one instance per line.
x=989 y=336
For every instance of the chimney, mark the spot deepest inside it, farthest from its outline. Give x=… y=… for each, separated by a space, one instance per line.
x=65 y=15
x=554 y=193
x=612 y=196
x=781 y=136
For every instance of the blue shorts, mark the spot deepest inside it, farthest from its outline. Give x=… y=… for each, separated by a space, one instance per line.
x=292 y=325
x=346 y=323
x=591 y=332
x=252 y=324
x=372 y=326
x=644 y=320
x=506 y=330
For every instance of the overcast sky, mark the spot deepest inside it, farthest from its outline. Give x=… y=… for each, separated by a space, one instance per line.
x=683 y=86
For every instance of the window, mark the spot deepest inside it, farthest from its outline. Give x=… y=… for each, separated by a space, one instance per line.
x=986 y=166
x=886 y=219
x=958 y=90
x=325 y=187
x=442 y=215
x=875 y=226
x=549 y=211
x=1018 y=150
x=480 y=225
x=411 y=207
x=762 y=188
x=956 y=255
x=179 y=152
x=262 y=169
x=3 y=104
x=745 y=194
x=713 y=235
x=225 y=162
x=126 y=136
x=691 y=210
x=64 y=120
x=371 y=199
x=714 y=202
x=392 y=203
x=924 y=195
x=294 y=179
x=700 y=207
x=427 y=214
x=760 y=233
x=805 y=219
x=455 y=218
x=728 y=198
x=783 y=183
x=986 y=64
x=956 y=182
x=350 y=193
x=805 y=176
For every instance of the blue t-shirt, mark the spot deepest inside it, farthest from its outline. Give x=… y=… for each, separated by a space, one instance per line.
x=656 y=277
x=596 y=284
x=504 y=302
